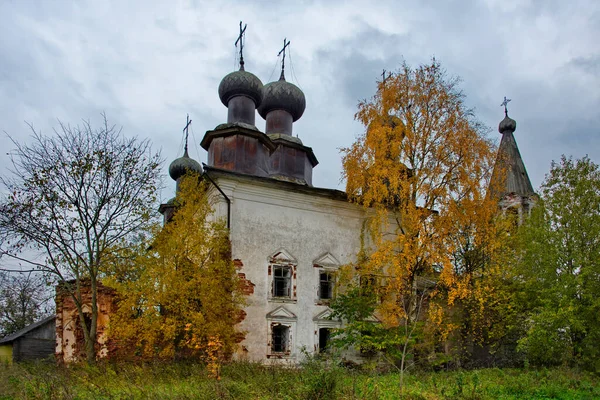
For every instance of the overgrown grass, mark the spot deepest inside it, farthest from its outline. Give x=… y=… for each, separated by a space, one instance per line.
x=315 y=381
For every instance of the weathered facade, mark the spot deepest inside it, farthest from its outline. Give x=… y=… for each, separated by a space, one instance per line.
x=288 y=238
x=287 y=241
x=34 y=342
x=69 y=342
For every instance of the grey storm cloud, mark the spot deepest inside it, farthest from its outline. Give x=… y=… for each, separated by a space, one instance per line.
x=148 y=64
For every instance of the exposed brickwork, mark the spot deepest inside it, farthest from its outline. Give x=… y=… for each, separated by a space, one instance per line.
x=69 y=333
x=241 y=316
x=238 y=264
x=246 y=285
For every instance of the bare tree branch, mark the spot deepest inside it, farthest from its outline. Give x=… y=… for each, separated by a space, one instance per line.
x=73 y=196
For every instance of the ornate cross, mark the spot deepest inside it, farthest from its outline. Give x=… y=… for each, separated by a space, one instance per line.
x=285 y=45
x=505 y=103
x=185 y=130
x=240 y=40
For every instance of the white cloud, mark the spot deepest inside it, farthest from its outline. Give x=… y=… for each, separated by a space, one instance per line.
x=149 y=63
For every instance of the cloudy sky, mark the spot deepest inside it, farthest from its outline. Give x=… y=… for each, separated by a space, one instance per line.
x=148 y=63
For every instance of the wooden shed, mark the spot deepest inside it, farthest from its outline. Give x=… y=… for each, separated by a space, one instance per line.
x=34 y=342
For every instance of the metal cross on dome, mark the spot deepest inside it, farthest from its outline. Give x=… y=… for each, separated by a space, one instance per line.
x=185 y=130
x=505 y=103
x=285 y=45
x=240 y=40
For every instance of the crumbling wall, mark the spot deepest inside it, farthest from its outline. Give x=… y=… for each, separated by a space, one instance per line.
x=70 y=343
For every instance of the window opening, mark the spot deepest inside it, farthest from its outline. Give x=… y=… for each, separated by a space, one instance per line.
x=326 y=281
x=324 y=339
x=79 y=335
x=279 y=340
x=282 y=281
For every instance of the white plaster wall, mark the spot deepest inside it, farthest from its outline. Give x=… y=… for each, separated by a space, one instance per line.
x=265 y=219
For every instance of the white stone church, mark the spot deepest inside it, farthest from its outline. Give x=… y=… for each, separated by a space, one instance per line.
x=287 y=237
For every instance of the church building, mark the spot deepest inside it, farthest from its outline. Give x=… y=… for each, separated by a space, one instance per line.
x=288 y=238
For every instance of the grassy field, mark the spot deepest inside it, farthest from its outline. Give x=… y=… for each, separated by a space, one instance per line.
x=251 y=381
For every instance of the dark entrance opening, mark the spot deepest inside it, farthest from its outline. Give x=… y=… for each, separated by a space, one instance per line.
x=324 y=339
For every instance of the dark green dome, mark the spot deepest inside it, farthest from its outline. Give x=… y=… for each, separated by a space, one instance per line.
x=180 y=166
x=507 y=124
x=282 y=95
x=240 y=83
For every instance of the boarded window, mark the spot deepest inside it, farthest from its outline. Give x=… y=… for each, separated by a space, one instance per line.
x=326 y=281
x=282 y=281
x=280 y=338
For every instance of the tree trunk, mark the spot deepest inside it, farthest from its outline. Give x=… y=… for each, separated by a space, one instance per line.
x=402 y=368
x=90 y=346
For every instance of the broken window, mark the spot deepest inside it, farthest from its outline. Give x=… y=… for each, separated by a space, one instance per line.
x=282 y=281
x=326 y=282
x=324 y=339
x=280 y=338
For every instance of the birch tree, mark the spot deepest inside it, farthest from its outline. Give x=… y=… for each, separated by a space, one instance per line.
x=421 y=168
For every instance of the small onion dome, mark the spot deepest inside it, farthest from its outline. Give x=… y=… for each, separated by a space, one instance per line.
x=282 y=95
x=184 y=164
x=507 y=124
x=240 y=83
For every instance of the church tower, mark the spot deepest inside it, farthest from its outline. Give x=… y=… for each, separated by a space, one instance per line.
x=510 y=183
x=283 y=104
x=238 y=145
x=178 y=168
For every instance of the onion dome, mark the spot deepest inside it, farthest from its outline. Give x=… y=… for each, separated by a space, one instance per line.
x=182 y=165
x=282 y=95
x=240 y=83
x=507 y=124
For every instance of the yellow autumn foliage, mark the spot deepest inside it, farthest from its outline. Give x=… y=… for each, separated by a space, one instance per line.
x=184 y=296
x=422 y=169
